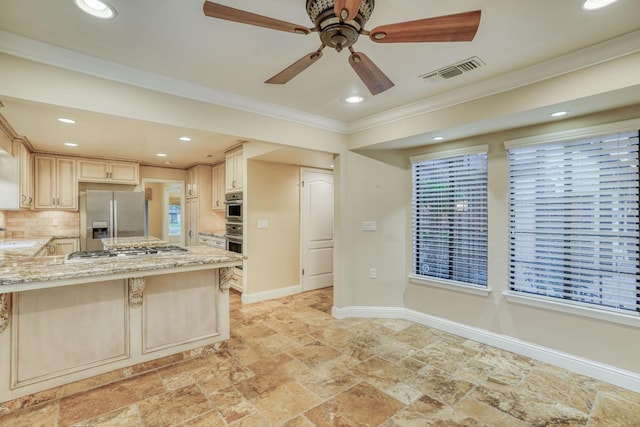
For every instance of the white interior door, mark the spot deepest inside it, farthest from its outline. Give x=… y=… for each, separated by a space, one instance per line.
x=316 y=228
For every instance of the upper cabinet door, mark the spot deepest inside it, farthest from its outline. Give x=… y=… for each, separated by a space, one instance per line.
x=56 y=186
x=234 y=169
x=124 y=173
x=26 y=177
x=45 y=182
x=218 y=187
x=67 y=184
x=112 y=172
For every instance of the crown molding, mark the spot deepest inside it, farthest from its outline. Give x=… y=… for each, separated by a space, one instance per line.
x=23 y=47
x=30 y=49
x=596 y=54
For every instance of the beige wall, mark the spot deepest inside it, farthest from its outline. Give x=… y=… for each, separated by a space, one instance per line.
x=155 y=209
x=371 y=189
x=273 y=194
x=162 y=173
x=379 y=189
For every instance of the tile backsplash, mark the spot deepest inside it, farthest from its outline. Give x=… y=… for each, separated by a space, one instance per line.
x=40 y=223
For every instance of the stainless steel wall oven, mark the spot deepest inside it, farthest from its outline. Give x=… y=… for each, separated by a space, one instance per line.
x=233 y=202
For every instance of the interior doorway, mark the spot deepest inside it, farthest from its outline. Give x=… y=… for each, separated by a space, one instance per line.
x=316 y=228
x=165 y=209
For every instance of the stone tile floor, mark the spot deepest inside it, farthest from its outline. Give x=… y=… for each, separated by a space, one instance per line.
x=289 y=363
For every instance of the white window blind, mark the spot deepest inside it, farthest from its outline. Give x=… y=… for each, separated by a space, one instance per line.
x=573 y=228
x=450 y=218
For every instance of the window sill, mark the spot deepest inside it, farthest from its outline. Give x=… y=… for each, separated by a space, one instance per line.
x=450 y=285
x=575 y=309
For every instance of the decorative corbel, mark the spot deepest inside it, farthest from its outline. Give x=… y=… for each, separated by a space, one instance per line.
x=136 y=289
x=4 y=311
x=225 y=276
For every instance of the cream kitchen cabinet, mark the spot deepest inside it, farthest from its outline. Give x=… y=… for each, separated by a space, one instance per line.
x=191 y=215
x=56 y=186
x=65 y=246
x=198 y=213
x=192 y=182
x=16 y=177
x=218 y=187
x=26 y=176
x=105 y=171
x=233 y=170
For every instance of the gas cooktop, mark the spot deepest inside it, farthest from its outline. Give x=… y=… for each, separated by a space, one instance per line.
x=89 y=255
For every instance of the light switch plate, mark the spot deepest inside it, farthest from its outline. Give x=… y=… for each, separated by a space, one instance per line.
x=263 y=223
x=369 y=226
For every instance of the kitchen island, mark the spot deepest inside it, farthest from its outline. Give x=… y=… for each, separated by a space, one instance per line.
x=62 y=321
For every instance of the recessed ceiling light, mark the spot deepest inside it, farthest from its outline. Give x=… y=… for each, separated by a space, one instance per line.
x=559 y=113
x=353 y=99
x=65 y=120
x=98 y=8
x=438 y=138
x=184 y=139
x=596 y=4
x=161 y=155
x=70 y=144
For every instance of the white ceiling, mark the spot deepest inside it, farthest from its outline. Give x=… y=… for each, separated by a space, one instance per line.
x=229 y=61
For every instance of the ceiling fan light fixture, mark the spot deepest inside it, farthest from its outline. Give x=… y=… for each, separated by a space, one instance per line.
x=596 y=4
x=97 y=8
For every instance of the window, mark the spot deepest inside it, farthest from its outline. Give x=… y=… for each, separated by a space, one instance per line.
x=573 y=221
x=175 y=226
x=450 y=216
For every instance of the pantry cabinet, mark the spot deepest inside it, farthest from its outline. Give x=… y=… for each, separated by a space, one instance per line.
x=56 y=186
x=218 y=187
x=234 y=170
x=107 y=171
x=198 y=213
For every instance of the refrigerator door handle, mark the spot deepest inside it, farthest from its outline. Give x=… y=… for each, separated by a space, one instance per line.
x=111 y=219
x=115 y=218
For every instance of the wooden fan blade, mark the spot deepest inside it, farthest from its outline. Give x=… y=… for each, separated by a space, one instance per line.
x=294 y=69
x=460 y=27
x=346 y=10
x=215 y=10
x=375 y=80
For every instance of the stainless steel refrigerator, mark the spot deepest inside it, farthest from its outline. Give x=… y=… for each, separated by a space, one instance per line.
x=112 y=214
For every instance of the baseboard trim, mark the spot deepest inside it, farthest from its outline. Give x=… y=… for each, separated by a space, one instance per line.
x=269 y=295
x=600 y=371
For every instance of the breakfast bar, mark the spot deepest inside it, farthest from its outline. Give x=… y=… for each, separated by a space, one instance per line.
x=64 y=319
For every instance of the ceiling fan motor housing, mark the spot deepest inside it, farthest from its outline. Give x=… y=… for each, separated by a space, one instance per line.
x=335 y=33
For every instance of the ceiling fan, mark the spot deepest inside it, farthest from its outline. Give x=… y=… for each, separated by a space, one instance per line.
x=340 y=23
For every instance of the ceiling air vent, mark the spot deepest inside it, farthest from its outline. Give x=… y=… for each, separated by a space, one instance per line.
x=453 y=70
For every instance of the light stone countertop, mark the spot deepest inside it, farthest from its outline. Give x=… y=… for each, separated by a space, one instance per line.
x=23 y=273
x=132 y=242
x=22 y=247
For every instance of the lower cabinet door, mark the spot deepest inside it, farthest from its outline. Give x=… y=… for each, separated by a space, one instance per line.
x=62 y=330
x=179 y=308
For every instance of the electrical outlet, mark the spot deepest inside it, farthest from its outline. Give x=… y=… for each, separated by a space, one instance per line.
x=372 y=273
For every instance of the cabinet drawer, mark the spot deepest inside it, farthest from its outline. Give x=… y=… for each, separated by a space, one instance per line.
x=216 y=242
